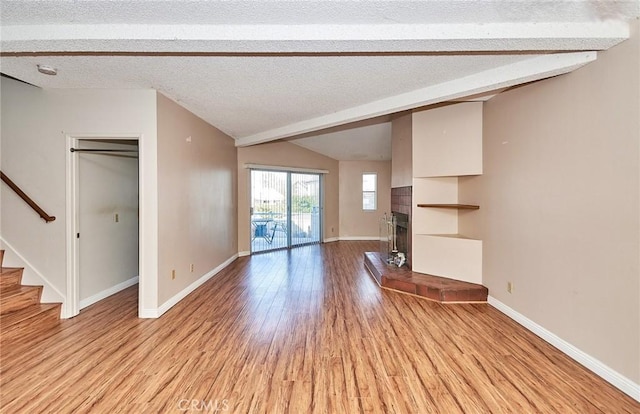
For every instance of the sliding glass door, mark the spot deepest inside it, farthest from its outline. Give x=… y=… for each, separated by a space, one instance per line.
x=285 y=209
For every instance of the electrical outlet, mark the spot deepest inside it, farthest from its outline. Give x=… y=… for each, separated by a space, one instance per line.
x=510 y=287
x=173 y=274
x=191 y=267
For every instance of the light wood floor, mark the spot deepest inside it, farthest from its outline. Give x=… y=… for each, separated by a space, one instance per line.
x=301 y=331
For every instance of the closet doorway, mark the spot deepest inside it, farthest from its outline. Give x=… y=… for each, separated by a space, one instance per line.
x=286 y=209
x=103 y=179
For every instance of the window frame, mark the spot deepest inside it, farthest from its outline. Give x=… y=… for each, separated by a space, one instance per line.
x=369 y=192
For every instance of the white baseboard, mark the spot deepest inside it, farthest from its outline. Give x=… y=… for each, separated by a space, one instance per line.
x=616 y=379
x=156 y=313
x=32 y=276
x=107 y=292
x=352 y=238
x=148 y=313
x=244 y=253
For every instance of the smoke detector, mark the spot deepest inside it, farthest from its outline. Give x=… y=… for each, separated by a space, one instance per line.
x=47 y=70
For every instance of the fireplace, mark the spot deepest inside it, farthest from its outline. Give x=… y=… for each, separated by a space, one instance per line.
x=401 y=198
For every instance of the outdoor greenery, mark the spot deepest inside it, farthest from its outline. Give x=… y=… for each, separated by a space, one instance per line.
x=303 y=204
x=299 y=204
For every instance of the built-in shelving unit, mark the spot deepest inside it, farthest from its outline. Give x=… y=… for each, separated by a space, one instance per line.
x=448 y=143
x=453 y=206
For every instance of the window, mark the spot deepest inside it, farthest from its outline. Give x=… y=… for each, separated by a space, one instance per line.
x=369 y=185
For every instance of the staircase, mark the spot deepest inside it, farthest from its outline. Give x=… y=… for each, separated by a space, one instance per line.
x=20 y=307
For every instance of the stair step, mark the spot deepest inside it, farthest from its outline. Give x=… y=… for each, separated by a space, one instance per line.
x=18 y=297
x=41 y=314
x=10 y=276
x=21 y=313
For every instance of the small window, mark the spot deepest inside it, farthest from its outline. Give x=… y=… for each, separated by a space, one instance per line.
x=369 y=189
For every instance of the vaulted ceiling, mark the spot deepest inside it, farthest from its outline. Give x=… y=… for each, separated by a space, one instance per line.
x=266 y=70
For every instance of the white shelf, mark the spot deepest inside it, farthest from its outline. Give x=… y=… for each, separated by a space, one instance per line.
x=451 y=236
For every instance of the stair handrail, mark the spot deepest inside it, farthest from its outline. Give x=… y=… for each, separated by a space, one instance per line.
x=26 y=198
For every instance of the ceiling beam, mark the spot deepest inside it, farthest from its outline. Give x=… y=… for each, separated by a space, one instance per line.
x=313 y=38
x=527 y=70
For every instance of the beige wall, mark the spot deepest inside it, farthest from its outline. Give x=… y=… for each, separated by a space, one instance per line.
x=559 y=205
x=35 y=124
x=197 y=210
x=355 y=222
x=447 y=140
x=287 y=155
x=401 y=152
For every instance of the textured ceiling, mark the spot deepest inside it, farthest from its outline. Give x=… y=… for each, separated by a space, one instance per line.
x=371 y=142
x=247 y=95
x=264 y=70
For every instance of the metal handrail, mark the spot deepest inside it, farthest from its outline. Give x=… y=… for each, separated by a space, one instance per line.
x=26 y=198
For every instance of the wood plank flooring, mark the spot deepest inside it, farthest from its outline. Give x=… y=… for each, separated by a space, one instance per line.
x=298 y=331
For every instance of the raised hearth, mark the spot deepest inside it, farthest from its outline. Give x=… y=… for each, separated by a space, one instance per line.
x=435 y=288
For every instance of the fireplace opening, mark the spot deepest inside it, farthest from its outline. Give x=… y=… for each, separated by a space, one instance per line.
x=402 y=232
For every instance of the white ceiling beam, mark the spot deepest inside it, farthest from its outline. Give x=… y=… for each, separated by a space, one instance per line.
x=313 y=38
x=528 y=70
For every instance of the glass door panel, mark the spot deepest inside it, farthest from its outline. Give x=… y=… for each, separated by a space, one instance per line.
x=269 y=212
x=305 y=208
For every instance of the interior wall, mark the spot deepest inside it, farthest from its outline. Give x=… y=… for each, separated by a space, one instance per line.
x=107 y=219
x=401 y=151
x=559 y=205
x=197 y=186
x=447 y=140
x=355 y=222
x=285 y=154
x=35 y=124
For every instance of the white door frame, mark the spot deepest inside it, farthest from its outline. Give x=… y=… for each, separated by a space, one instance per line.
x=72 y=301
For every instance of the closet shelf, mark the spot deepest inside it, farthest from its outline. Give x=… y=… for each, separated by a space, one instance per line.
x=454 y=206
